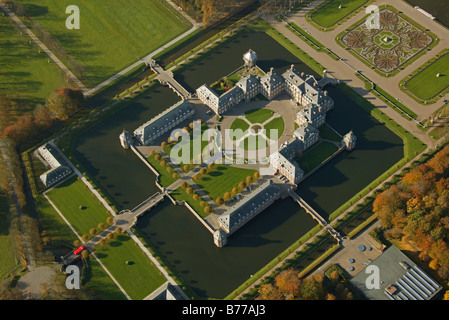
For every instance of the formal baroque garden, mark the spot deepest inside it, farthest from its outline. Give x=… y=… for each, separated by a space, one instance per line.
x=387 y=48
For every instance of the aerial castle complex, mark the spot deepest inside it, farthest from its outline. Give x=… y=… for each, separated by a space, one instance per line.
x=312 y=103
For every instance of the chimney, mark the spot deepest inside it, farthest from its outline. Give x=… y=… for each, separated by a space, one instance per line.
x=302 y=74
x=325 y=93
x=271 y=70
x=292 y=67
x=314 y=84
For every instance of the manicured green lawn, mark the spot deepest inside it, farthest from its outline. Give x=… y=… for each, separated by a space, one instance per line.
x=313 y=157
x=259 y=115
x=112 y=35
x=239 y=124
x=101 y=283
x=222 y=179
x=26 y=77
x=253 y=143
x=69 y=196
x=55 y=228
x=193 y=156
x=426 y=85
x=165 y=178
x=181 y=195
x=329 y=134
x=50 y=221
x=330 y=14
x=277 y=124
x=138 y=278
x=8 y=260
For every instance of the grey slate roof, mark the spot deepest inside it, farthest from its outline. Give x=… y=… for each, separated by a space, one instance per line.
x=247 y=83
x=306 y=132
x=312 y=112
x=58 y=167
x=163 y=119
x=249 y=205
x=271 y=80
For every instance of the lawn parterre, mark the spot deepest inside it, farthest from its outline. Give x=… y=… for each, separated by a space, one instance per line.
x=161 y=165
x=330 y=13
x=78 y=205
x=259 y=115
x=426 y=85
x=327 y=133
x=180 y=194
x=194 y=157
x=315 y=156
x=129 y=265
x=112 y=35
x=55 y=229
x=139 y=277
x=239 y=124
x=223 y=178
x=276 y=124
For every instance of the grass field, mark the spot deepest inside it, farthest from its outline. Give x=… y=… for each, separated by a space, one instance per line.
x=112 y=35
x=259 y=115
x=222 y=179
x=138 y=278
x=8 y=260
x=72 y=194
x=239 y=124
x=327 y=133
x=56 y=229
x=165 y=177
x=26 y=77
x=197 y=157
x=181 y=195
x=253 y=143
x=425 y=85
x=313 y=157
x=330 y=14
x=277 y=124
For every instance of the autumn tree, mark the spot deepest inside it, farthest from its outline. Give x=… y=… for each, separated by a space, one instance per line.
x=227 y=196
x=63 y=102
x=110 y=220
x=288 y=282
x=269 y=292
x=219 y=201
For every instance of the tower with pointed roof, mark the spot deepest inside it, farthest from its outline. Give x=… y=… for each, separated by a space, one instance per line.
x=250 y=58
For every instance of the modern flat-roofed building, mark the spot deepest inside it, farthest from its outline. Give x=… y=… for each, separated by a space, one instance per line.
x=399 y=279
x=250 y=206
x=58 y=169
x=164 y=122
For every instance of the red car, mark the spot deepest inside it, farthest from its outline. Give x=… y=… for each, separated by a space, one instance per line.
x=79 y=250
